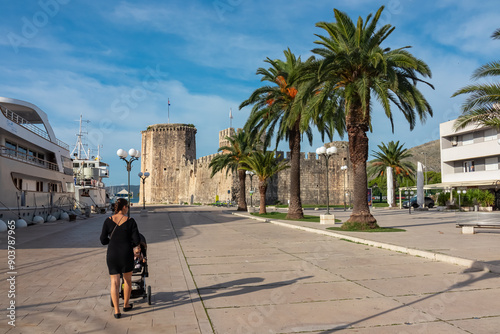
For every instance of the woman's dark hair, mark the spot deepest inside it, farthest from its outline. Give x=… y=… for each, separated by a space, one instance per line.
x=120 y=204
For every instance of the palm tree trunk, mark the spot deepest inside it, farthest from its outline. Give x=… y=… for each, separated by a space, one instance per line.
x=295 y=208
x=242 y=202
x=358 y=152
x=262 y=192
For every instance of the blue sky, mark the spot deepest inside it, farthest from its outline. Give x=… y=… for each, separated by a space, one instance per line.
x=117 y=62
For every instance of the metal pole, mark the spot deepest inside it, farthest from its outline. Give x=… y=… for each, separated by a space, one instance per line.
x=327 y=188
x=345 y=170
x=129 y=167
x=251 y=188
x=143 y=193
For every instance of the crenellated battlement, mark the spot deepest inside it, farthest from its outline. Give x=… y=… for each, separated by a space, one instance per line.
x=207 y=159
x=170 y=127
x=178 y=175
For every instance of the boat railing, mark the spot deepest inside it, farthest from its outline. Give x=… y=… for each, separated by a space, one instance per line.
x=89 y=183
x=31 y=127
x=24 y=157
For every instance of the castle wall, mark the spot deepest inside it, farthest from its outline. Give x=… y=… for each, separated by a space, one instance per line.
x=313 y=177
x=168 y=152
x=169 y=155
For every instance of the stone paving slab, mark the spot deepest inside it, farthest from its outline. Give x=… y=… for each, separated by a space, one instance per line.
x=283 y=317
x=313 y=275
x=213 y=272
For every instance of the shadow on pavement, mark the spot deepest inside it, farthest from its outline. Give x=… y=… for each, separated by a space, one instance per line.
x=462 y=284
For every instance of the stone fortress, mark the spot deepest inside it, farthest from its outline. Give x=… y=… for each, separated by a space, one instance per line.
x=178 y=176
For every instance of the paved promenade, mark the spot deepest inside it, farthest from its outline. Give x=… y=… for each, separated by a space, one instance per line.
x=217 y=271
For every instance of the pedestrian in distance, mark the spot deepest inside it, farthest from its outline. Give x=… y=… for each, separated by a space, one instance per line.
x=121 y=235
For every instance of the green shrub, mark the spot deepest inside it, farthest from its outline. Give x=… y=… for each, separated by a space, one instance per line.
x=443 y=198
x=479 y=196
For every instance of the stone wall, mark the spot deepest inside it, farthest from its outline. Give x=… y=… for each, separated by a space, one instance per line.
x=168 y=152
x=169 y=155
x=313 y=175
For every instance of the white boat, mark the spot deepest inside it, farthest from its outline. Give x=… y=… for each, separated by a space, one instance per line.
x=90 y=191
x=36 y=175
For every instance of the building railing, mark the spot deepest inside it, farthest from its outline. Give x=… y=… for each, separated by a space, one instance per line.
x=25 y=157
x=31 y=127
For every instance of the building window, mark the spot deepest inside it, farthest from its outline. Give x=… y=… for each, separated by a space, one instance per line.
x=468 y=139
x=468 y=166
x=39 y=186
x=12 y=148
x=491 y=163
x=490 y=134
x=31 y=155
x=41 y=158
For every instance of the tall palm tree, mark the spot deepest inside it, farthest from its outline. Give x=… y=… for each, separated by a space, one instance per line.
x=264 y=165
x=231 y=160
x=356 y=66
x=483 y=104
x=278 y=112
x=391 y=155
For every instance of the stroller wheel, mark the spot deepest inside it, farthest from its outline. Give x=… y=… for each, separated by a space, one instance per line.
x=149 y=294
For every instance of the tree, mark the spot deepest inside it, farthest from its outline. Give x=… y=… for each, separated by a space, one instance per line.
x=391 y=155
x=264 y=164
x=278 y=112
x=483 y=104
x=355 y=66
x=238 y=148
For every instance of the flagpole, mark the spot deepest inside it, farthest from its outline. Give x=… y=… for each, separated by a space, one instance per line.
x=230 y=118
x=168 y=111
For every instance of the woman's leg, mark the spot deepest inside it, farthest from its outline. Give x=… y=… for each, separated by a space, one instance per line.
x=115 y=292
x=127 y=288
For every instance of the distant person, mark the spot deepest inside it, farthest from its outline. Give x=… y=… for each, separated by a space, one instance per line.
x=122 y=235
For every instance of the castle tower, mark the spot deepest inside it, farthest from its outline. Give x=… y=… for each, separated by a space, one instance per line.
x=229 y=132
x=167 y=151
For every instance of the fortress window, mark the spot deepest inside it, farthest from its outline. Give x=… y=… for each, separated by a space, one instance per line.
x=164 y=169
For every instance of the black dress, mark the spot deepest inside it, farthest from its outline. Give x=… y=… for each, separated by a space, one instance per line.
x=120 y=256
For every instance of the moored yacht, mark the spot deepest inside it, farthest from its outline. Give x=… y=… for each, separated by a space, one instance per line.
x=36 y=175
x=89 y=171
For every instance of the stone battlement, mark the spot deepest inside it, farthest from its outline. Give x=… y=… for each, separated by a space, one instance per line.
x=170 y=127
x=178 y=176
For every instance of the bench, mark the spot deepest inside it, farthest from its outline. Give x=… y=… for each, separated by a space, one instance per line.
x=468 y=228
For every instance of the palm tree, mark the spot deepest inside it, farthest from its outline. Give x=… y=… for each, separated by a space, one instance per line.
x=278 y=112
x=357 y=67
x=264 y=165
x=483 y=104
x=391 y=155
x=232 y=154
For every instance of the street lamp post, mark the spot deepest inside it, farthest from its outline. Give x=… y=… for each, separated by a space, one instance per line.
x=344 y=168
x=143 y=177
x=134 y=155
x=327 y=153
x=459 y=200
x=251 y=174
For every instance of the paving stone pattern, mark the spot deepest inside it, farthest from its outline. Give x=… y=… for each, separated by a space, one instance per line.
x=213 y=272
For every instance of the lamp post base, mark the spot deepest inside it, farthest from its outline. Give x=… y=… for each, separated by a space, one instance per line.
x=327 y=219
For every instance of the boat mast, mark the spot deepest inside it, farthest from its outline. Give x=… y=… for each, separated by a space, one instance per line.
x=79 y=148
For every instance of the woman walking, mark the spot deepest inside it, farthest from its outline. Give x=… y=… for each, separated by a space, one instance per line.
x=122 y=235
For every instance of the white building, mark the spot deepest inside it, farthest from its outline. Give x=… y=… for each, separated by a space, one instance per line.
x=470 y=156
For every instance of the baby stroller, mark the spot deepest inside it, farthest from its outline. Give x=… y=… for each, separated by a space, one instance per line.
x=139 y=274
